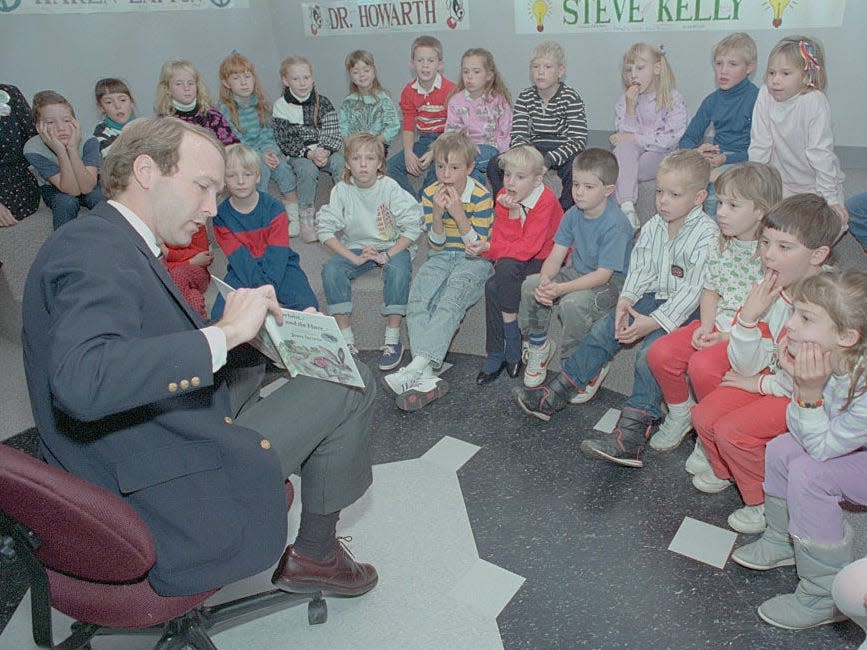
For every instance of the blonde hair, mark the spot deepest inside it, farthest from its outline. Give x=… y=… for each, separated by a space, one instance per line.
x=362 y=56
x=355 y=143
x=237 y=63
x=665 y=78
x=750 y=181
x=427 y=41
x=806 y=54
x=550 y=50
x=738 y=43
x=159 y=138
x=456 y=142
x=48 y=98
x=808 y=217
x=496 y=86
x=163 y=104
x=525 y=157
x=843 y=296
x=287 y=63
x=692 y=167
x=110 y=86
x=244 y=157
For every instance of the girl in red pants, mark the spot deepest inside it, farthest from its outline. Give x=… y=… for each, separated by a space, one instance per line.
x=746 y=193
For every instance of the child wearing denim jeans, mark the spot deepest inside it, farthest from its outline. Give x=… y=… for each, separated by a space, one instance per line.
x=380 y=223
x=307 y=131
x=457 y=212
x=661 y=291
x=424 y=105
x=599 y=237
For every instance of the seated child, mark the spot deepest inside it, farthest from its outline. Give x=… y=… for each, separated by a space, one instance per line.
x=19 y=192
x=368 y=107
x=526 y=216
x=457 y=212
x=548 y=115
x=243 y=104
x=67 y=164
x=729 y=108
x=736 y=420
x=306 y=128
x=482 y=105
x=379 y=223
x=424 y=105
x=188 y=268
x=182 y=93
x=253 y=230
x=823 y=458
x=600 y=239
x=115 y=101
x=649 y=118
x=791 y=126
x=661 y=292
x=746 y=193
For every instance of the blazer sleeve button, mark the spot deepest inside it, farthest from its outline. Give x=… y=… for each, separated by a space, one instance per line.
x=172 y=387
x=265 y=444
x=195 y=381
x=184 y=384
x=228 y=420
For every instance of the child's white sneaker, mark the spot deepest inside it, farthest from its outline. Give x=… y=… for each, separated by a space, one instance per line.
x=592 y=387
x=628 y=208
x=399 y=382
x=697 y=463
x=308 y=226
x=537 y=358
x=294 y=220
x=421 y=393
x=674 y=427
x=749 y=520
x=708 y=483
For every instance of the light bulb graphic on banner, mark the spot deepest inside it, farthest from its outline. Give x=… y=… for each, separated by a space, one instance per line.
x=539 y=9
x=778 y=6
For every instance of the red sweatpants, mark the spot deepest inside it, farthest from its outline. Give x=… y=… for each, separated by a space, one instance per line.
x=734 y=427
x=671 y=358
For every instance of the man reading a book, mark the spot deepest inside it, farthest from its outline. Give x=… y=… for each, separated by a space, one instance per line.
x=133 y=391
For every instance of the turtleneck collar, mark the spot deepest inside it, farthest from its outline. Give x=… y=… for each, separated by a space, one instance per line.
x=741 y=86
x=184 y=108
x=292 y=98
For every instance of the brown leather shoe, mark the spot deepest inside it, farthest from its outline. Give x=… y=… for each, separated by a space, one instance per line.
x=340 y=575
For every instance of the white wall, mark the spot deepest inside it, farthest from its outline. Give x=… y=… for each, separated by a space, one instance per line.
x=69 y=53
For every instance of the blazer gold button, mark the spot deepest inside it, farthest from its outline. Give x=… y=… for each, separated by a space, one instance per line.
x=265 y=444
x=184 y=384
x=195 y=381
x=228 y=420
x=173 y=387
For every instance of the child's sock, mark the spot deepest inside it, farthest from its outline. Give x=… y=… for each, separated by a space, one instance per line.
x=513 y=341
x=493 y=362
x=537 y=339
x=392 y=335
x=348 y=335
x=421 y=364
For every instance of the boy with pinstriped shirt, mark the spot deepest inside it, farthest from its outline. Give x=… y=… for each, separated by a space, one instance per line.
x=661 y=291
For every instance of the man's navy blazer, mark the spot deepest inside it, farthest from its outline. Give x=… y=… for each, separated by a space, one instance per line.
x=124 y=396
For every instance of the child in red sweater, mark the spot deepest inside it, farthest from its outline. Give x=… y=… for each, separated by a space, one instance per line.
x=188 y=267
x=526 y=217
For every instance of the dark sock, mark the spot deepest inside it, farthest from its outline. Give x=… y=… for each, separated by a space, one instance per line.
x=493 y=362
x=317 y=535
x=513 y=341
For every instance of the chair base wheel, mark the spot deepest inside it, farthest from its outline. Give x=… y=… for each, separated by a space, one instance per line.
x=317 y=610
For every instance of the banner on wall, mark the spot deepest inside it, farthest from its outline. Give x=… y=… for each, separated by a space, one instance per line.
x=112 y=6
x=349 y=17
x=573 y=16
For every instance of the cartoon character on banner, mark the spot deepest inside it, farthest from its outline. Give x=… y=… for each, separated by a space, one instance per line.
x=315 y=19
x=456 y=13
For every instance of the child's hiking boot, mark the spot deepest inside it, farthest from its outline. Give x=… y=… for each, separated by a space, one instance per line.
x=537 y=358
x=626 y=443
x=587 y=393
x=421 y=393
x=545 y=400
x=697 y=463
x=674 y=427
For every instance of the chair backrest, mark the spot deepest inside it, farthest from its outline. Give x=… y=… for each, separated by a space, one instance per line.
x=84 y=530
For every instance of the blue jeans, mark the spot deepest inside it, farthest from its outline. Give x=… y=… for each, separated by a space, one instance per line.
x=711 y=201
x=307 y=174
x=282 y=173
x=397 y=165
x=64 y=208
x=857 y=207
x=338 y=273
x=443 y=289
x=599 y=346
x=480 y=172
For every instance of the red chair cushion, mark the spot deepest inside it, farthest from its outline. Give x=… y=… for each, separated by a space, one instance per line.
x=84 y=531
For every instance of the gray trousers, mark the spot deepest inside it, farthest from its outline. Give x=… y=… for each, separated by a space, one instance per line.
x=319 y=429
x=577 y=310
